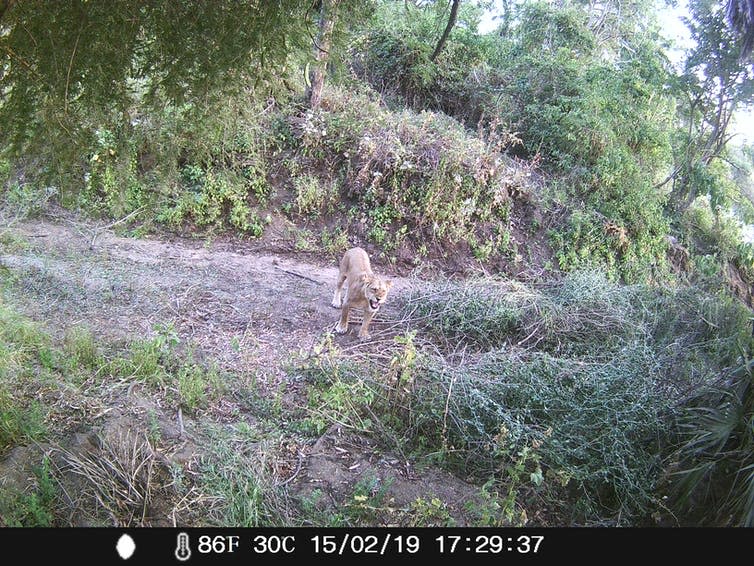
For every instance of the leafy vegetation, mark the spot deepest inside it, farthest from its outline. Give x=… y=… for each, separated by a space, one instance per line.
x=417 y=175
x=574 y=393
x=562 y=144
x=714 y=481
x=34 y=509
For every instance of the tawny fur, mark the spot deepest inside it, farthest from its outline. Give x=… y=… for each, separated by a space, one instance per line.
x=365 y=290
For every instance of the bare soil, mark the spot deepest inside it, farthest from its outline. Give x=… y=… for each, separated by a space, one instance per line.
x=255 y=313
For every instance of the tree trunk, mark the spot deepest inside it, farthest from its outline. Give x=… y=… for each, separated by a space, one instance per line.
x=740 y=15
x=448 y=28
x=4 y=5
x=322 y=46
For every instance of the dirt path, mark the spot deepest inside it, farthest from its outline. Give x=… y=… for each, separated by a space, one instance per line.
x=250 y=312
x=247 y=310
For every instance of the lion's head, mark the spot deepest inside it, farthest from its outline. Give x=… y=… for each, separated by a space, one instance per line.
x=375 y=290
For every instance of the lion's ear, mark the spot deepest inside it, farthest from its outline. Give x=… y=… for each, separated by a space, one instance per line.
x=363 y=278
x=388 y=283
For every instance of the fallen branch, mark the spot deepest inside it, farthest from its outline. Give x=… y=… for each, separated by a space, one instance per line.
x=113 y=224
x=298 y=275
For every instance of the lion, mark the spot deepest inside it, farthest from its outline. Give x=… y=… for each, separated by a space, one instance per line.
x=364 y=290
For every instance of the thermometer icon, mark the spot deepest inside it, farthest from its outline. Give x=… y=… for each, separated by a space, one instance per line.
x=182 y=551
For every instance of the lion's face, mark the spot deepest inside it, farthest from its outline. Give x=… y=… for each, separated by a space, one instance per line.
x=375 y=291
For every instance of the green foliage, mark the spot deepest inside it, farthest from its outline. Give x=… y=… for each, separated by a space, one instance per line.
x=158 y=363
x=33 y=509
x=715 y=82
x=55 y=81
x=22 y=347
x=197 y=385
x=598 y=423
x=430 y=513
x=21 y=421
x=484 y=313
x=633 y=254
x=144 y=362
x=611 y=364
x=313 y=196
x=606 y=127
x=420 y=171
x=241 y=487
x=112 y=183
x=601 y=123
x=495 y=510
x=335 y=242
x=214 y=199
x=81 y=348
x=569 y=391
x=714 y=483
x=338 y=400
x=393 y=53
x=367 y=503
x=718 y=240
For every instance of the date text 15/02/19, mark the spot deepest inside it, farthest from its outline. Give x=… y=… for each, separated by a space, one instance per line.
x=489 y=544
x=366 y=544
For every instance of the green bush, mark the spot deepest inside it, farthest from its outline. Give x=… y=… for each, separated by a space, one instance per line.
x=418 y=170
x=599 y=124
x=714 y=481
x=215 y=198
x=393 y=54
x=571 y=390
x=21 y=421
x=598 y=426
x=484 y=313
x=719 y=236
x=314 y=196
x=34 y=509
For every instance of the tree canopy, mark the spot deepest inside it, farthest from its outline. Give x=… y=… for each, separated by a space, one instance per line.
x=60 y=61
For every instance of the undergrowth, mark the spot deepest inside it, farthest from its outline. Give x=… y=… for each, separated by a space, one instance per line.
x=50 y=389
x=568 y=393
x=34 y=507
x=409 y=174
x=237 y=476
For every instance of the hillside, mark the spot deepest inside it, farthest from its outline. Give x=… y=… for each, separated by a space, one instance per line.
x=569 y=337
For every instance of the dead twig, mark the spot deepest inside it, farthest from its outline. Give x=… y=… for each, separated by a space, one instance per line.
x=126 y=218
x=298 y=275
x=293 y=476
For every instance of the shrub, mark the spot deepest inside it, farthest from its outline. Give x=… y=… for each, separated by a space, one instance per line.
x=598 y=426
x=313 y=196
x=485 y=313
x=714 y=482
x=393 y=55
x=31 y=509
x=570 y=390
x=419 y=170
x=599 y=124
x=220 y=198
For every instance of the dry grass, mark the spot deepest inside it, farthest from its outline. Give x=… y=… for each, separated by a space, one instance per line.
x=122 y=475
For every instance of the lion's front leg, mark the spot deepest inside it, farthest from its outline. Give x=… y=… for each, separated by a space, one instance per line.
x=342 y=326
x=337 y=298
x=364 y=332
